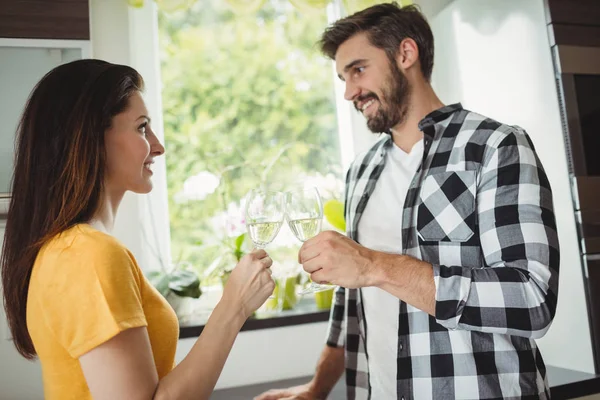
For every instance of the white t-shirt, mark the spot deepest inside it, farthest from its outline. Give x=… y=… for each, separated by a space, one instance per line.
x=380 y=228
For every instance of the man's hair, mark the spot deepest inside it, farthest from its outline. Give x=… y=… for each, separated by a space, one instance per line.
x=386 y=26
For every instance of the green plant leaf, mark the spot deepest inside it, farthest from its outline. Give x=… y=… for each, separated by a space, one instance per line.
x=239 y=241
x=160 y=280
x=185 y=283
x=193 y=292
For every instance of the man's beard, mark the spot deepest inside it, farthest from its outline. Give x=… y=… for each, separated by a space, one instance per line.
x=393 y=104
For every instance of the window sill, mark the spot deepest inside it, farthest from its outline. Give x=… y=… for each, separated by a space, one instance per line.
x=305 y=312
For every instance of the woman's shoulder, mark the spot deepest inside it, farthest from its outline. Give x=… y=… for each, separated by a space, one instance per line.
x=82 y=245
x=84 y=237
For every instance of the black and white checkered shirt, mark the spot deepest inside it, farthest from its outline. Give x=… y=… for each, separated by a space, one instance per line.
x=479 y=209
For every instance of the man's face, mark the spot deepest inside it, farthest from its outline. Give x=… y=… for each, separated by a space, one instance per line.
x=376 y=86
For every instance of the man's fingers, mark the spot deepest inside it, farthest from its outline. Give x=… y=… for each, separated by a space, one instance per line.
x=308 y=253
x=319 y=277
x=271 y=395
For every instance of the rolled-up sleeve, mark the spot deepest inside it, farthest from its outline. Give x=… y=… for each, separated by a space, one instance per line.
x=335 y=331
x=516 y=291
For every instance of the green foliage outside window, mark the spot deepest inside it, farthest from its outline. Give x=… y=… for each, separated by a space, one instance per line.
x=248 y=100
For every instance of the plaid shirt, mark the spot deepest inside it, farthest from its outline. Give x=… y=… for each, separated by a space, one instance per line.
x=479 y=209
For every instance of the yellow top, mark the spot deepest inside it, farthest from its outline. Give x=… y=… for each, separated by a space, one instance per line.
x=85 y=288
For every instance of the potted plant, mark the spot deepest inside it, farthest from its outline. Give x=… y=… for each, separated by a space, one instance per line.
x=178 y=286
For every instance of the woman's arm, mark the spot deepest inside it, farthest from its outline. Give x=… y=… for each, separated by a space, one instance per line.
x=123 y=367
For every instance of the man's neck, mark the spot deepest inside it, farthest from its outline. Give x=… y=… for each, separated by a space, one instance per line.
x=423 y=101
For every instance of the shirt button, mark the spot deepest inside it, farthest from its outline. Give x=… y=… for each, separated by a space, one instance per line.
x=402 y=398
x=400 y=346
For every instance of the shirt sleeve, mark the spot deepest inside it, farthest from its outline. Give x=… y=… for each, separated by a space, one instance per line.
x=95 y=294
x=516 y=291
x=335 y=331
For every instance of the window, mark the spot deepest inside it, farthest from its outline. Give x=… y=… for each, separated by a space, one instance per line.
x=248 y=100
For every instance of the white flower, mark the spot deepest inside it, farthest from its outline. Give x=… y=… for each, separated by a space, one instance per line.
x=231 y=223
x=198 y=187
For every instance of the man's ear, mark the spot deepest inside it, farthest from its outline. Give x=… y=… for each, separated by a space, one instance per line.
x=408 y=54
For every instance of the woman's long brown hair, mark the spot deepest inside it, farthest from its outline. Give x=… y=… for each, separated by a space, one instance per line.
x=59 y=169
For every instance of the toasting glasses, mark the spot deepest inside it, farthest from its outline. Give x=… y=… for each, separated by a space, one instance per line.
x=266 y=211
x=304 y=213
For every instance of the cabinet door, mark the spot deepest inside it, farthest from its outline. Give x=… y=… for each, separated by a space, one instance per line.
x=20 y=69
x=45 y=19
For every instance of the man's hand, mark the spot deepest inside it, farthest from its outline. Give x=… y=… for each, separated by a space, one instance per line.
x=331 y=257
x=301 y=392
x=329 y=370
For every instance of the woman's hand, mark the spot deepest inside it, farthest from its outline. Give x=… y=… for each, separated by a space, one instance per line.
x=250 y=282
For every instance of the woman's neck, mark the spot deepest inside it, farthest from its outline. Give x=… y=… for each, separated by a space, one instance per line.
x=104 y=218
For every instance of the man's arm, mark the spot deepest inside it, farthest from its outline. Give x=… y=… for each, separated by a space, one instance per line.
x=329 y=370
x=515 y=294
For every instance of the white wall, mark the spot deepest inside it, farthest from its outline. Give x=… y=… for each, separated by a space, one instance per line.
x=270 y=354
x=494 y=57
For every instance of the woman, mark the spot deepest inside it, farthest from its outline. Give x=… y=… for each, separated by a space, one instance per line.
x=74 y=296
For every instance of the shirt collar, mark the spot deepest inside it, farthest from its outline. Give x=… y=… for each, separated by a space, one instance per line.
x=439 y=115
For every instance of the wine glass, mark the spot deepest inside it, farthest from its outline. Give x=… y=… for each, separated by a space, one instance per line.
x=304 y=213
x=264 y=216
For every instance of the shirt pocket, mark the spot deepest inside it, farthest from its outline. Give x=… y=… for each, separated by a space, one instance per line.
x=447 y=207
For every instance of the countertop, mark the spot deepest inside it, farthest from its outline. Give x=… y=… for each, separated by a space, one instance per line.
x=564 y=384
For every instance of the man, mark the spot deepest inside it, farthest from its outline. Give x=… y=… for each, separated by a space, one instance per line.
x=450 y=268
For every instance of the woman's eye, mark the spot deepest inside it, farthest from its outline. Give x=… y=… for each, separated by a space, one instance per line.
x=142 y=128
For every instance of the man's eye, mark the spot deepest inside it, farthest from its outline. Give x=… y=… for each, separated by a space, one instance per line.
x=360 y=70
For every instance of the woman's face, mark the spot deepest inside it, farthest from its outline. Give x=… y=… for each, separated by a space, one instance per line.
x=131 y=146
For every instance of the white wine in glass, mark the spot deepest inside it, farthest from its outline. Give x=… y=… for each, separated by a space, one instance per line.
x=265 y=212
x=305 y=228
x=262 y=233
x=264 y=216
x=304 y=213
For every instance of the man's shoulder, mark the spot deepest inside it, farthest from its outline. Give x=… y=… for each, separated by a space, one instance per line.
x=477 y=128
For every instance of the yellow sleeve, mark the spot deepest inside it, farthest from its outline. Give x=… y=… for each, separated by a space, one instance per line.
x=93 y=294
